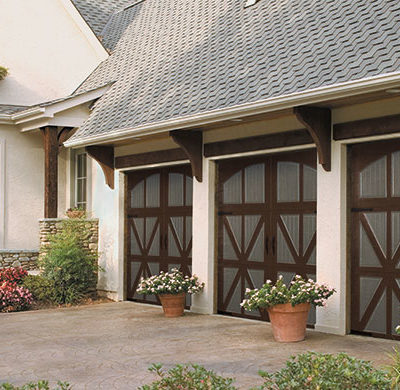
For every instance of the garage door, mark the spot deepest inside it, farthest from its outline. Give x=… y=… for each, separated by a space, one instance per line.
x=266 y=224
x=159 y=225
x=375 y=244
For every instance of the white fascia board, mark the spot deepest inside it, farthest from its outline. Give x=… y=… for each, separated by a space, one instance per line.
x=85 y=29
x=312 y=96
x=5 y=119
x=27 y=120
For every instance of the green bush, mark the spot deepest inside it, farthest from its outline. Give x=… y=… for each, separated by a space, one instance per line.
x=42 y=289
x=316 y=371
x=70 y=267
x=41 y=385
x=3 y=72
x=188 y=377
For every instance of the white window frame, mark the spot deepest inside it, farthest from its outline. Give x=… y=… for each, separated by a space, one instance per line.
x=73 y=160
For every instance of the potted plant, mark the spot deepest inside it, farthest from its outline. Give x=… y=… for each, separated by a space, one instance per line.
x=76 y=212
x=288 y=307
x=171 y=287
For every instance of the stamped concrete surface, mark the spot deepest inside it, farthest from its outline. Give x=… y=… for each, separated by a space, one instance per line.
x=110 y=346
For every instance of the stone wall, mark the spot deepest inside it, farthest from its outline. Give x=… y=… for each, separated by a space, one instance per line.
x=26 y=259
x=54 y=225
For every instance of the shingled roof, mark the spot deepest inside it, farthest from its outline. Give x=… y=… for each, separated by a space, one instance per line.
x=98 y=12
x=10 y=109
x=182 y=57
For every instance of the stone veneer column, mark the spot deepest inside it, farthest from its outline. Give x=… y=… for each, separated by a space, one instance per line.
x=203 y=253
x=331 y=240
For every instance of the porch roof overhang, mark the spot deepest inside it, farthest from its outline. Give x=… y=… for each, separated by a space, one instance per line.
x=65 y=112
x=318 y=97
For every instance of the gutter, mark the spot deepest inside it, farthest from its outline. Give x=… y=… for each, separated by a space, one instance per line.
x=317 y=95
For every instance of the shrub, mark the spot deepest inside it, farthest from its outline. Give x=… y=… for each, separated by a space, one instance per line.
x=12 y=275
x=3 y=72
x=188 y=377
x=41 y=385
x=70 y=267
x=14 y=298
x=42 y=289
x=316 y=371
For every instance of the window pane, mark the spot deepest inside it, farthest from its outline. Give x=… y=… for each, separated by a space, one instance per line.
x=373 y=180
x=288 y=182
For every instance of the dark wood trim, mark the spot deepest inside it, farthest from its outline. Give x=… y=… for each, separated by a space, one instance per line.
x=136 y=160
x=65 y=134
x=260 y=142
x=318 y=121
x=191 y=141
x=50 y=139
x=367 y=127
x=104 y=155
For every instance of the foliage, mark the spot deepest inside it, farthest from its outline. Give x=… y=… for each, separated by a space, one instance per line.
x=188 y=377
x=41 y=385
x=13 y=276
x=299 y=291
x=41 y=288
x=316 y=371
x=173 y=282
x=70 y=267
x=3 y=72
x=14 y=297
x=394 y=368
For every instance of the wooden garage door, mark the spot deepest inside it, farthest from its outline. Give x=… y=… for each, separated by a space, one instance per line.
x=375 y=244
x=159 y=225
x=266 y=224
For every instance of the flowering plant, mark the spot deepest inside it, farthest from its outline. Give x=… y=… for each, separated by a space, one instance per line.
x=299 y=291
x=173 y=282
x=14 y=298
x=12 y=275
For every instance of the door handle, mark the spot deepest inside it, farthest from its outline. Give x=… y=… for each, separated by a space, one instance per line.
x=266 y=244
x=273 y=245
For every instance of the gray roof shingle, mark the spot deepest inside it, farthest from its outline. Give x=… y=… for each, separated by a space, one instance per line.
x=9 y=109
x=181 y=57
x=98 y=12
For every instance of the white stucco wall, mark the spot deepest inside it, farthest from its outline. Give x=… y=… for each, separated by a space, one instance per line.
x=23 y=190
x=108 y=207
x=48 y=49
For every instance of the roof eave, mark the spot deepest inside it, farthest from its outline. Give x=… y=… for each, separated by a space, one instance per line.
x=312 y=96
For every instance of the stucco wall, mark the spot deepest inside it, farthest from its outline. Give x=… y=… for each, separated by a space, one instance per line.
x=23 y=190
x=48 y=49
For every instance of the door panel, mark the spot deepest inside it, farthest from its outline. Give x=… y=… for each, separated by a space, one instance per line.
x=375 y=227
x=266 y=224
x=159 y=225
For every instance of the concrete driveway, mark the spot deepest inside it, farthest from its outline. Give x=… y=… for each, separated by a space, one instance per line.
x=110 y=346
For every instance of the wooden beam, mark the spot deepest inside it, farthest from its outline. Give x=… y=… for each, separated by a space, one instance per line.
x=50 y=140
x=65 y=134
x=104 y=155
x=367 y=127
x=191 y=141
x=318 y=121
x=260 y=142
x=149 y=158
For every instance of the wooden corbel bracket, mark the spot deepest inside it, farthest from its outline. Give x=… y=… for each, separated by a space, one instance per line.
x=191 y=142
x=318 y=122
x=65 y=134
x=104 y=155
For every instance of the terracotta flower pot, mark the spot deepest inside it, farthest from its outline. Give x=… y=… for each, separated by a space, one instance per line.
x=173 y=304
x=75 y=213
x=289 y=322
